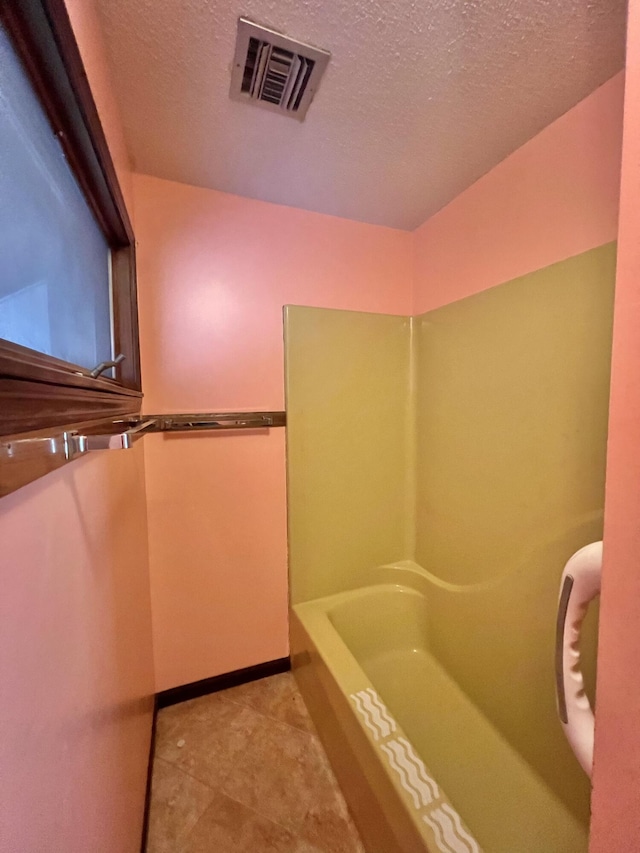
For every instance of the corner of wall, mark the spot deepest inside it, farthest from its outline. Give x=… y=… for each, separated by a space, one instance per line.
x=411 y=444
x=566 y=202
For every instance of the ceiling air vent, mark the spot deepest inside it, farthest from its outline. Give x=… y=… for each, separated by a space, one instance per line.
x=274 y=71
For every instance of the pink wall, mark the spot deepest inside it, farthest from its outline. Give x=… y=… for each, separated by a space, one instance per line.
x=214 y=273
x=553 y=198
x=218 y=552
x=75 y=658
x=616 y=793
x=215 y=270
x=75 y=634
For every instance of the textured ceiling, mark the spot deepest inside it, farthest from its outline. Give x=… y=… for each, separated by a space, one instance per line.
x=421 y=97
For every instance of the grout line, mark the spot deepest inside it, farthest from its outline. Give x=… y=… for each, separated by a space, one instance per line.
x=241 y=753
x=201 y=781
x=244 y=750
x=293 y=828
x=289 y=828
x=270 y=721
x=253 y=812
x=220 y=788
x=269 y=716
x=177 y=767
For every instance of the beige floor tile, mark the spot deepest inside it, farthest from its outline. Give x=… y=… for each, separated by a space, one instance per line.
x=327 y=823
x=330 y=829
x=177 y=802
x=229 y=827
x=170 y=720
x=276 y=697
x=242 y=771
x=209 y=742
x=275 y=775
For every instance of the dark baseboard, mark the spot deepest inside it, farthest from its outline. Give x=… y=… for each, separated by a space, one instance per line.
x=147 y=796
x=221 y=682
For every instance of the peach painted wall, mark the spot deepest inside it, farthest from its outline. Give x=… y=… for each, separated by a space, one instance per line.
x=554 y=197
x=616 y=792
x=75 y=636
x=75 y=658
x=215 y=271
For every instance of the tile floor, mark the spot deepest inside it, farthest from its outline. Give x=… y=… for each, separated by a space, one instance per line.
x=243 y=771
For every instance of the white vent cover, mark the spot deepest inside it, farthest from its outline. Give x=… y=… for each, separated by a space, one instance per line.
x=274 y=71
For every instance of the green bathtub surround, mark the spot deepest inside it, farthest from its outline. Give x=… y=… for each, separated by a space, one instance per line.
x=467 y=446
x=512 y=404
x=347 y=380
